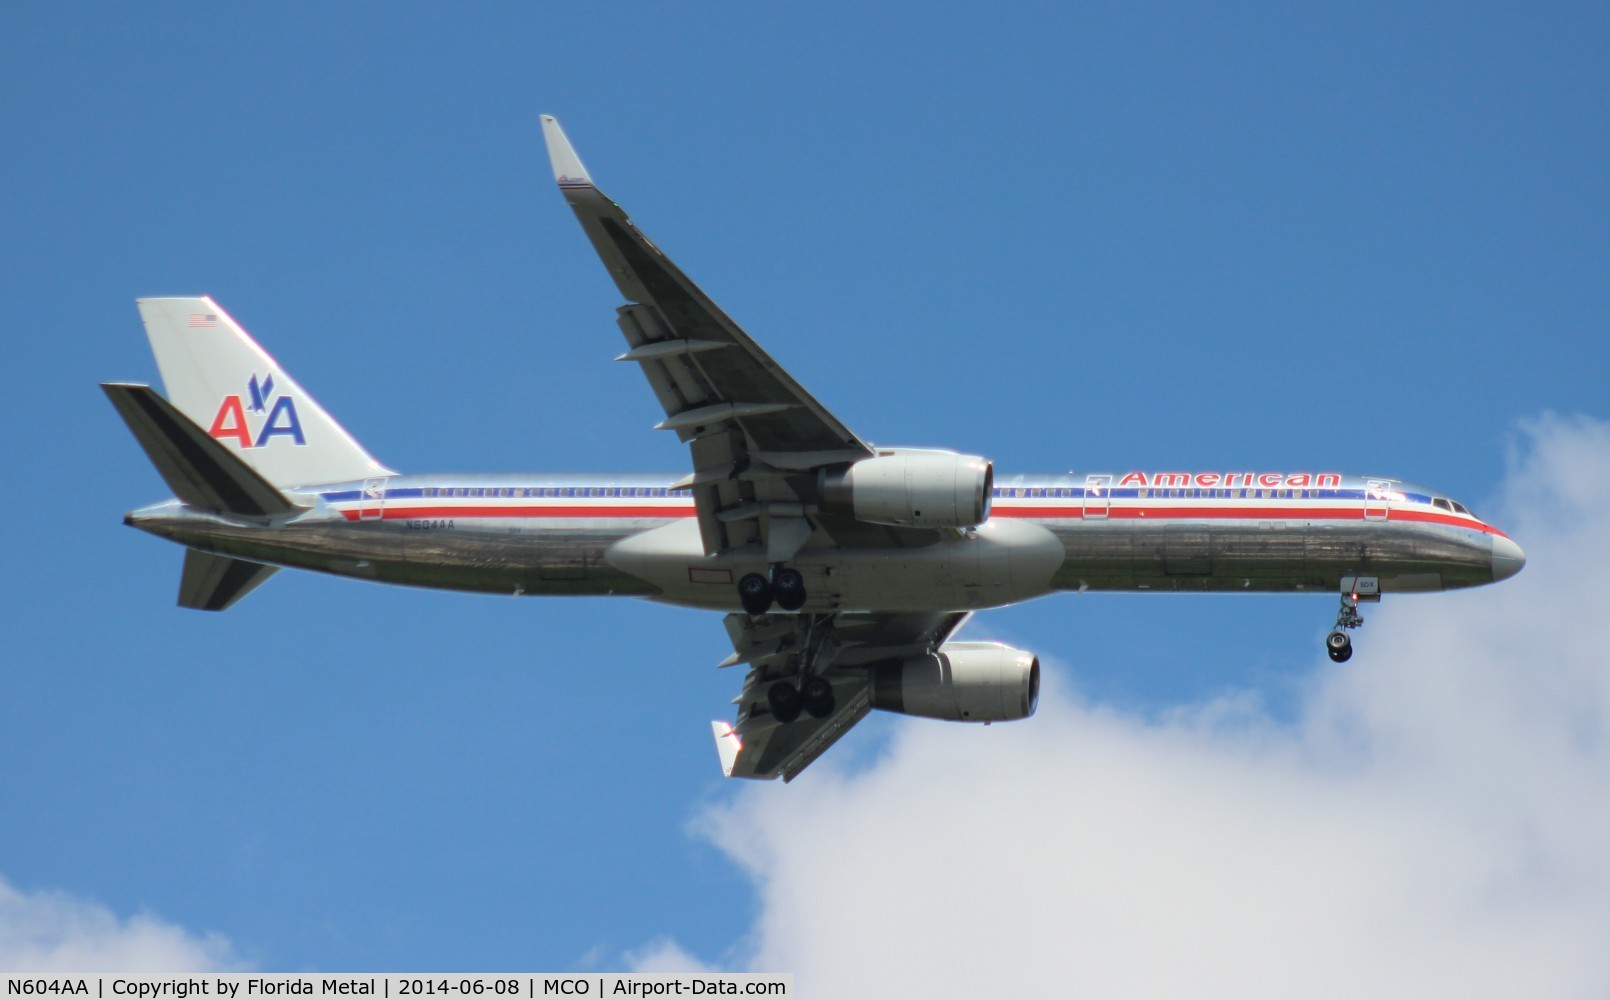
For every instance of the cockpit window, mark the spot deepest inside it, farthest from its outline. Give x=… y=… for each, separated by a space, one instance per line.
x=1461 y=508
x=1440 y=502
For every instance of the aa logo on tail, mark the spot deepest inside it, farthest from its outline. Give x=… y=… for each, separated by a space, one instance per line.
x=272 y=419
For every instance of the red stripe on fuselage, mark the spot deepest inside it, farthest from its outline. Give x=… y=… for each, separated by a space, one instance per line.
x=398 y=512
x=1186 y=513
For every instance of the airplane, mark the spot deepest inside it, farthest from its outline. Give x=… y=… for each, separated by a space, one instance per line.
x=844 y=569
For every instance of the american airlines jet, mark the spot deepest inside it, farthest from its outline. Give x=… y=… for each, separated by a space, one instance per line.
x=844 y=568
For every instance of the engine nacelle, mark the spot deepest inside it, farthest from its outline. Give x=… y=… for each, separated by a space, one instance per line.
x=963 y=682
x=914 y=489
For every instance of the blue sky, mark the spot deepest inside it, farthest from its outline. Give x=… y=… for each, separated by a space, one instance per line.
x=1369 y=238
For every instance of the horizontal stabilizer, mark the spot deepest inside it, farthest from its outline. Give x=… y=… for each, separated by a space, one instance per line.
x=213 y=582
x=199 y=470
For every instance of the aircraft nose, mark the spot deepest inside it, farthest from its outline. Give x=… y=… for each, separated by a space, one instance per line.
x=1507 y=558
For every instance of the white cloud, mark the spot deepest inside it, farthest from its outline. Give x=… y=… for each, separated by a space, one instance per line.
x=663 y=955
x=54 y=932
x=1434 y=823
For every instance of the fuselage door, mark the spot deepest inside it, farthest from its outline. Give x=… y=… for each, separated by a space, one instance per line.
x=372 y=504
x=1098 y=497
x=1377 y=499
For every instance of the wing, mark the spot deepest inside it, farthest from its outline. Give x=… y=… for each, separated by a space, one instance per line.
x=842 y=649
x=756 y=435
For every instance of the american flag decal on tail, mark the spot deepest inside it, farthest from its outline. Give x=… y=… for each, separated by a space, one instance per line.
x=203 y=320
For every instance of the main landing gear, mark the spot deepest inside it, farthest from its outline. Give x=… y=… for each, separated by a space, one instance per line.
x=802 y=687
x=786 y=588
x=786 y=701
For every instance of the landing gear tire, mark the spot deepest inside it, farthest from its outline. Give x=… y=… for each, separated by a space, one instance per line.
x=1339 y=646
x=817 y=694
x=789 y=587
x=784 y=701
x=755 y=594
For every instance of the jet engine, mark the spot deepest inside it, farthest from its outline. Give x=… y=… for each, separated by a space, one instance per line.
x=914 y=489
x=962 y=682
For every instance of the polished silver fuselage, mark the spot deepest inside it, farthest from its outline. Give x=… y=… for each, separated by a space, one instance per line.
x=637 y=536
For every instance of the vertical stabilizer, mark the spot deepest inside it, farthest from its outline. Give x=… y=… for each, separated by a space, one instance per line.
x=219 y=377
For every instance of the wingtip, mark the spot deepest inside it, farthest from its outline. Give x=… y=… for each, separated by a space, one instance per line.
x=728 y=744
x=567 y=168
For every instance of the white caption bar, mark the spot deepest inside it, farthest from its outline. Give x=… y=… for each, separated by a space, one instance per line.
x=393 y=986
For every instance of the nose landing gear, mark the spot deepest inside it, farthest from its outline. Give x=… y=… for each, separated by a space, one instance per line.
x=1354 y=589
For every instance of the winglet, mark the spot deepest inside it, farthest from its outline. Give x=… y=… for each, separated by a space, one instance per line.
x=727 y=745
x=567 y=168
